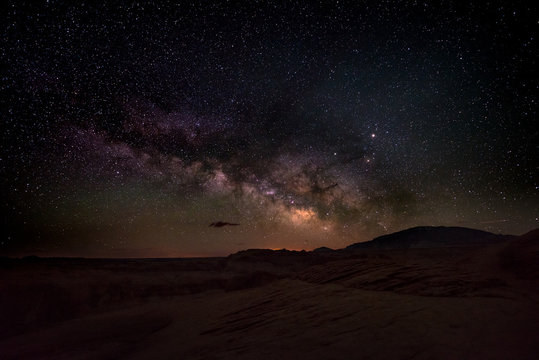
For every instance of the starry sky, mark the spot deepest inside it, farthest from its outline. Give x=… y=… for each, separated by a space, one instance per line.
x=129 y=128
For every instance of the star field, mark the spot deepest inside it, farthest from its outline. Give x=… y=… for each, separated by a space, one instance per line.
x=128 y=129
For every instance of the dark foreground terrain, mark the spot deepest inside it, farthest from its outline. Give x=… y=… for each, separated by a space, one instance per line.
x=434 y=294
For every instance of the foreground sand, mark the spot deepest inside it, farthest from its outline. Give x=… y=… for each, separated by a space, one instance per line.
x=415 y=304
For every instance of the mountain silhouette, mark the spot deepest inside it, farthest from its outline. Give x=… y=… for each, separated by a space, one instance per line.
x=431 y=237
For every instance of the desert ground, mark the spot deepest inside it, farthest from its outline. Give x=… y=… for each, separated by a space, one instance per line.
x=479 y=301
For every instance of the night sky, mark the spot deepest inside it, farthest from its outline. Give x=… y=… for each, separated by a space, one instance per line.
x=127 y=130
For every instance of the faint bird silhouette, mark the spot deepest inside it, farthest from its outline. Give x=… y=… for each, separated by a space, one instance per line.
x=222 y=223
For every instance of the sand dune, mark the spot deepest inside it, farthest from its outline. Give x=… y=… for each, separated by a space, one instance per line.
x=475 y=302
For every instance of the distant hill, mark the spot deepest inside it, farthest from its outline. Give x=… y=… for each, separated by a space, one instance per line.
x=531 y=235
x=431 y=237
x=322 y=249
x=522 y=255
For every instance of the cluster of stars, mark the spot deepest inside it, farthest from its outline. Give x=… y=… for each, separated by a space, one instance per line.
x=322 y=124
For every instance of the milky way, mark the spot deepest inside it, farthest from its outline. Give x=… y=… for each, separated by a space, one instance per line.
x=128 y=130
